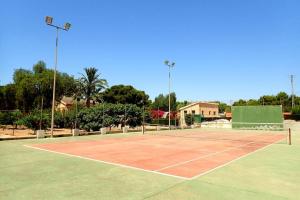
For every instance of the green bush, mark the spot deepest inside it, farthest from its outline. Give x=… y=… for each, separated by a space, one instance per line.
x=114 y=114
x=65 y=119
x=10 y=117
x=296 y=113
x=59 y=119
x=189 y=119
x=34 y=120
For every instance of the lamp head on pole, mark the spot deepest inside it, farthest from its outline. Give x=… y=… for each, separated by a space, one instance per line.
x=166 y=62
x=67 y=26
x=49 y=20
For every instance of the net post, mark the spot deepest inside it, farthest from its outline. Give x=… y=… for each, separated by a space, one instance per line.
x=290 y=137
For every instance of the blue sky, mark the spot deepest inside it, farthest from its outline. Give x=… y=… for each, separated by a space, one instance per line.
x=224 y=50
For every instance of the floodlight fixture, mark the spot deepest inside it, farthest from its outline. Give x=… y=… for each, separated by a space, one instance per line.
x=49 y=20
x=67 y=26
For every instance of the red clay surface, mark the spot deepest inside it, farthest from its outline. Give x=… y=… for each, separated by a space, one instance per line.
x=176 y=156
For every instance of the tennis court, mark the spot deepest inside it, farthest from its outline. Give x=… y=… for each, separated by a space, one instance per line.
x=183 y=154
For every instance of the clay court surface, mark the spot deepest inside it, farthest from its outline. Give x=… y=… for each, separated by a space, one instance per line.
x=180 y=154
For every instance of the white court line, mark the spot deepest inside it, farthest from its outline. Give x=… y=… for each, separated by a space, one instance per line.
x=201 y=157
x=110 y=163
x=211 y=154
x=225 y=164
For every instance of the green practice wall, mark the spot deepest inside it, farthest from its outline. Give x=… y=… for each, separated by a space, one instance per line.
x=257 y=117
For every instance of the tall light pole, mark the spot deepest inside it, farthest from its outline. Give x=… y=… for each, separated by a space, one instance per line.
x=102 y=101
x=170 y=65
x=66 y=27
x=293 y=95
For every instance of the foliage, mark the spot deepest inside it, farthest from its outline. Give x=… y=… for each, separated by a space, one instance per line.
x=296 y=113
x=8 y=97
x=181 y=104
x=162 y=102
x=240 y=102
x=33 y=119
x=10 y=117
x=189 y=120
x=113 y=115
x=30 y=86
x=66 y=119
x=125 y=94
x=223 y=107
x=280 y=99
x=91 y=84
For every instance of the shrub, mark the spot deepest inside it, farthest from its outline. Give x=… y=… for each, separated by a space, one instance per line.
x=189 y=119
x=10 y=117
x=65 y=119
x=34 y=120
x=296 y=113
x=114 y=114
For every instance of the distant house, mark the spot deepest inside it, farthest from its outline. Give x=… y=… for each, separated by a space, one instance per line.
x=228 y=115
x=66 y=103
x=207 y=111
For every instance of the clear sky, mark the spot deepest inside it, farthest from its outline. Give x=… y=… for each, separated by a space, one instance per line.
x=224 y=50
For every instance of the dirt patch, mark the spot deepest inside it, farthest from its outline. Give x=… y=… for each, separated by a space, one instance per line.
x=9 y=131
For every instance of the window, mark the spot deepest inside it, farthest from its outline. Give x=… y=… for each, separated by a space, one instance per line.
x=185 y=112
x=202 y=113
x=214 y=112
x=209 y=113
x=193 y=112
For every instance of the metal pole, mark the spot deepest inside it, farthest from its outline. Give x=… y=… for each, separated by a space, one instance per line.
x=125 y=116
x=54 y=83
x=293 y=96
x=41 y=113
x=143 y=118
x=169 y=97
x=76 y=110
x=103 y=114
x=290 y=137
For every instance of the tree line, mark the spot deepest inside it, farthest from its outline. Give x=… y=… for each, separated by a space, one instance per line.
x=32 y=89
x=281 y=98
x=28 y=99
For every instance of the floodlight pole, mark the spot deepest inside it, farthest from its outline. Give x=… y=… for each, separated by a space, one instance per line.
x=65 y=28
x=169 y=97
x=102 y=101
x=54 y=83
x=170 y=65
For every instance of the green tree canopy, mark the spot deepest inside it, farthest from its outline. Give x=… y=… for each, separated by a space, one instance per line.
x=162 y=102
x=125 y=94
x=281 y=98
x=31 y=86
x=91 y=84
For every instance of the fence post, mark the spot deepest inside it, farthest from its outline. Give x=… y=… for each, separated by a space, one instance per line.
x=290 y=137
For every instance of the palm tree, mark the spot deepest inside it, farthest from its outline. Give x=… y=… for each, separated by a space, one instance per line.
x=91 y=84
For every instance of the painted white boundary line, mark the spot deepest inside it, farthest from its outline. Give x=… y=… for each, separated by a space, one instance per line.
x=201 y=157
x=208 y=155
x=220 y=166
x=109 y=163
